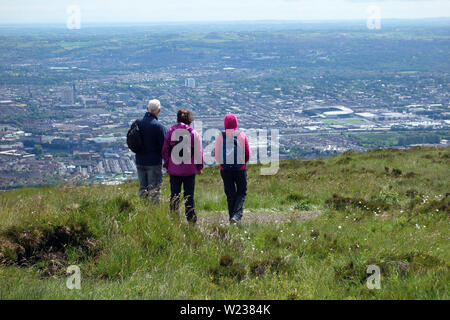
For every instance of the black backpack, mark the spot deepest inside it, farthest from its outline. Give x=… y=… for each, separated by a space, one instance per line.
x=134 y=137
x=235 y=151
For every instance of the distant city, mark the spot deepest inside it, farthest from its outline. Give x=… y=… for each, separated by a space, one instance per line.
x=67 y=98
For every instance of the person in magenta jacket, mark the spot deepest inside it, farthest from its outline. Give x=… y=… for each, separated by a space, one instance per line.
x=182 y=153
x=234 y=176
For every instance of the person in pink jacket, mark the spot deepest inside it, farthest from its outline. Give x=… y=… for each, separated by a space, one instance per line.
x=182 y=153
x=232 y=152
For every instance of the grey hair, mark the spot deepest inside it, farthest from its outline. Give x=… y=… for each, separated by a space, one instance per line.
x=154 y=105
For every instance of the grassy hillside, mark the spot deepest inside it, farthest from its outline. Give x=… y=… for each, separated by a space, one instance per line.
x=385 y=207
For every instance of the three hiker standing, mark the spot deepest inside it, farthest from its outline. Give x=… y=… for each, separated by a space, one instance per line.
x=183 y=158
x=182 y=151
x=232 y=152
x=149 y=157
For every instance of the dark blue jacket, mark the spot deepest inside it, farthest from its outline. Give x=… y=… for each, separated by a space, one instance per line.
x=153 y=133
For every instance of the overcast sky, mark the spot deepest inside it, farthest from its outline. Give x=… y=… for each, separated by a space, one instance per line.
x=51 y=11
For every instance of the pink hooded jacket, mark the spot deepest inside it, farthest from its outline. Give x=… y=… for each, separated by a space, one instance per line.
x=231 y=125
x=183 y=169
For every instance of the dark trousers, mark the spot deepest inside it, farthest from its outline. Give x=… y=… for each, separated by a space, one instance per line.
x=235 y=185
x=188 y=183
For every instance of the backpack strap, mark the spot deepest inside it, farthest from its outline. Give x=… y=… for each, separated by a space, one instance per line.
x=235 y=146
x=224 y=147
x=137 y=123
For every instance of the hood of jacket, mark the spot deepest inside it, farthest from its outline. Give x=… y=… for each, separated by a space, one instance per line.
x=230 y=121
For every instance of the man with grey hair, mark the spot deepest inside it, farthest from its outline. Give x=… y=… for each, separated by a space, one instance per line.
x=149 y=158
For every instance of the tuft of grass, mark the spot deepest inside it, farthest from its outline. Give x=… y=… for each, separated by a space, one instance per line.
x=227 y=268
x=50 y=248
x=275 y=264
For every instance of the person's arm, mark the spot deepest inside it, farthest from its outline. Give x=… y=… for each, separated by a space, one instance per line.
x=198 y=152
x=165 y=150
x=162 y=135
x=218 y=149
x=248 y=152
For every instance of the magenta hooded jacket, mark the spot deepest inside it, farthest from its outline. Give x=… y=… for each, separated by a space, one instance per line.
x=183 y=169
x=231 y=125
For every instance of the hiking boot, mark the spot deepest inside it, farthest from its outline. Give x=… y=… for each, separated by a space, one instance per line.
x=191 y=218
x=235 y=220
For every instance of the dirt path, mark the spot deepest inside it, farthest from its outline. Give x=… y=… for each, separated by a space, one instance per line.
x=264 y=218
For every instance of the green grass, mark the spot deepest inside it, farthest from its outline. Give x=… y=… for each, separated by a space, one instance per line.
x=385 y=207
